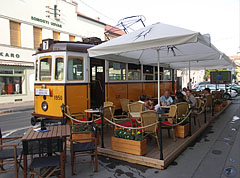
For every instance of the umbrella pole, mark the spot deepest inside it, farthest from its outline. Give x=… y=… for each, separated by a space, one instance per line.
x=158 y=52
x=189 y=75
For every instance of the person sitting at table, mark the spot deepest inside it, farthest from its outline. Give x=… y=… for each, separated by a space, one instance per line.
x=179 y=97
x=166 y=100
x=191 y=99
x=207 y=91
x=142 y=98
x=149 y=104
x=184 y=90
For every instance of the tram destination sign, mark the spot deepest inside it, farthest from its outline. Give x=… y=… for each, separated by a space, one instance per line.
x=42 y=91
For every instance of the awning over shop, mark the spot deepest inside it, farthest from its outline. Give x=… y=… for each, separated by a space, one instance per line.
x=16 y=63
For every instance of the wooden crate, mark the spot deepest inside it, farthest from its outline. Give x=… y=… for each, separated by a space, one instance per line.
x=217 y=107
x=182 y=130
x=129 y=146
x=224 y=103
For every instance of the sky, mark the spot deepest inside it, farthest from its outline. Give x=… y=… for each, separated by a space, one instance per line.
x=219 y=18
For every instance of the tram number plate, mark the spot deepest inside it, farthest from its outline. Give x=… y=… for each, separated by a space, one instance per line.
x=58 y=97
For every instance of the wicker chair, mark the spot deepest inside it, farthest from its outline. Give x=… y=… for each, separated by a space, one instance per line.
x=197 y=111
x=124 y=104
x=78 y=116
x=147 y=118
x=107 y=103
x=9 y=155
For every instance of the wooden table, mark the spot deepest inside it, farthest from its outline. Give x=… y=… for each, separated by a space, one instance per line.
x=165 y=107
x=60 y=131
x=92 y=111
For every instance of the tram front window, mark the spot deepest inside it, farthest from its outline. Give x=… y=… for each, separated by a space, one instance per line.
x=75 y=68
x=59 y=68
x=45 y=68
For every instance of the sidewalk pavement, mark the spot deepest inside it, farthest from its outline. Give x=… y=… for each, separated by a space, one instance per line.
x=16 y=106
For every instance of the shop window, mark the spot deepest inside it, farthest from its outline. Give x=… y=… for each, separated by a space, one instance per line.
x=59 y=68
x=56 y=35
x=37 y=36
x=134 y=72
x=45 y=69
x=160 y=75
x=75 y=68
x=6 y=71
x=167 y=74
x=147 y=72
x=15 y=34
x=10 y=85
x=71 y=38
x=117 y=71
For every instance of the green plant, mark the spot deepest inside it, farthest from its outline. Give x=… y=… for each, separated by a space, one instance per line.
x=180 y=119
x=81 y=128
x=128 y=134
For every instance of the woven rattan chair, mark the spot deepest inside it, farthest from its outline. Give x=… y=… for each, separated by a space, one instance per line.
x=9 y=155
x=83 y=147
x=78 y=116
x=107 y=103
x=197 y=111
x=147 y=118
x=182 y=109
x=124 y=104
x=135 y=107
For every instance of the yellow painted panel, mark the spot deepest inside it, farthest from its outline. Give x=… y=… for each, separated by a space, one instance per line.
x=148 y=89
x=76 y=97
x=55 y=100
x=134 y=91
x=116 y=92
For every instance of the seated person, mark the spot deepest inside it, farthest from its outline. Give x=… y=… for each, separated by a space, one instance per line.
x=142 y=98
x=179 y=97
x=206 y=91
x=184 y=90
x=166 y=100
x=191 y=99
x=149 y=104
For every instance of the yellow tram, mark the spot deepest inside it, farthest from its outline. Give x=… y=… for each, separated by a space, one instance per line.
x=64 y=74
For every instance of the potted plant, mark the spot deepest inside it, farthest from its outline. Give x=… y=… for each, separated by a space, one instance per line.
x=128 y=141
x=80 y=131
x=217 y=105
x=182 y=129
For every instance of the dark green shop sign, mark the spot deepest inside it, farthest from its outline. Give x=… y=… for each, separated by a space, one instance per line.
x=10 y=55
x=46 y=22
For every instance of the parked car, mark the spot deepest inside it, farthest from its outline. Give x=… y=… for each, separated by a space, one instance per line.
x=228 y=92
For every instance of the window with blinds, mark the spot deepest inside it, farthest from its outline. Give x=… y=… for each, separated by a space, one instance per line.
x=56 y=35
x=71 y=38
x=15 y=34
x=37 y=36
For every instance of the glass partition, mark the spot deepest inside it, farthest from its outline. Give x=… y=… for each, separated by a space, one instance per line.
x=75 y=68
x=59 y=66
x=45 y=68
x=117 y=71
x=134 y=72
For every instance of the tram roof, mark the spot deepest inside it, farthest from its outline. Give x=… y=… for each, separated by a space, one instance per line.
x=65 y=46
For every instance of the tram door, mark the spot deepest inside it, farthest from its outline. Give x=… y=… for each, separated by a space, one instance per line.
x=97 y=82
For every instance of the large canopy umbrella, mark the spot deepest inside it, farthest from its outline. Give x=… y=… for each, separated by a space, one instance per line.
x=157 y=43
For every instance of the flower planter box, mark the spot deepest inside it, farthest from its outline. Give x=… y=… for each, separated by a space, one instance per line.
x=182 y=130
x=217 y=107
x=224 y=103
x=85 y=135
x=129 y=146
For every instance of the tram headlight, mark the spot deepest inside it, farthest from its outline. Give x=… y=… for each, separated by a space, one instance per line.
x=44 y=106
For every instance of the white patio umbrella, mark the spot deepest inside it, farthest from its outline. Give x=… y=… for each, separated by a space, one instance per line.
x=157 y=43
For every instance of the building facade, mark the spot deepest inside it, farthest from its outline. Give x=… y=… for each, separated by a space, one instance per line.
x=23 y=26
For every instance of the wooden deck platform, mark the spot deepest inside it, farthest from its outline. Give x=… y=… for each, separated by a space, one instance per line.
x=171 y=149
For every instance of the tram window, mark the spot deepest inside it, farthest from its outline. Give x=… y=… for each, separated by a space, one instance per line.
x=117 y=71
x=36 y=70
x=147 y=73
x=45 y=68
x=134 y=72
x=161 y=73
x=75 y=68
x=167 y=74
x=59 y=68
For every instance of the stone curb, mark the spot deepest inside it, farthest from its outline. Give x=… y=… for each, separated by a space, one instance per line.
x=15 y=110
